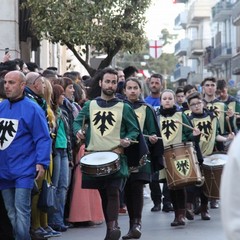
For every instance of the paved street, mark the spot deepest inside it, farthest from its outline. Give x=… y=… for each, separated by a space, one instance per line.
x=157 y=226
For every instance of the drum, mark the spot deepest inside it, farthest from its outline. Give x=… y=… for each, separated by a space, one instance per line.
x=181 y=164
x=99 y=164
x=212 y=171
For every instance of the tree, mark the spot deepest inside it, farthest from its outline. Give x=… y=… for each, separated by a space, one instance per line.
x=105 y=26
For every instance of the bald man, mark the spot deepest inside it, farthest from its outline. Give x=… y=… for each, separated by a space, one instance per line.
x=24 y=151
x=35 y=88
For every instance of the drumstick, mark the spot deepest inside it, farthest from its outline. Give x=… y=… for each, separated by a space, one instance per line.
x=83 y=124
x=132 y=141
x=150 y=136
x=83 y=128
x=187 y=126
x=184 y=124
x=228 y=123
x=236 y=113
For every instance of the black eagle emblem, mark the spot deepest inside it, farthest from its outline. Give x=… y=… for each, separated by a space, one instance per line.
x=6 y=127
x=104 y=118
x=183 y=166
x=214 y=109
x=170 y=126
x=206 y=127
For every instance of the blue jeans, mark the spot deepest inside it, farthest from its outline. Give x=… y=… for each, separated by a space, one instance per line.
x=18 y=204
x=60 y=179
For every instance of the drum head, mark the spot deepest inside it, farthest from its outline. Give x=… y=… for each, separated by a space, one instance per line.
x=99 y=158
x=215 y=159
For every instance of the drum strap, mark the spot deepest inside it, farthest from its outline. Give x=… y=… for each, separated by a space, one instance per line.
x=118 y=150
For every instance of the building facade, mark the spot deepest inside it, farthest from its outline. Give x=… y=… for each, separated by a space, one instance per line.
x=211 y=45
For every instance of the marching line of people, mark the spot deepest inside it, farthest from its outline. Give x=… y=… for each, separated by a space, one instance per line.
x=162 y=139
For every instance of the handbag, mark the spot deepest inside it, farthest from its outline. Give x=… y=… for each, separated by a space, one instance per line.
x=47 y=201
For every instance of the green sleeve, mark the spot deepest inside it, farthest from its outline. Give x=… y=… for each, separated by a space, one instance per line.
x=129 y=127
x=187 y=133
x=218 y=131
x=83 y=114
x=149 y=127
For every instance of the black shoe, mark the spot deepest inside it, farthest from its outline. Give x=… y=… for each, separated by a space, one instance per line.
x=189 y=215
x=134 y=233
x=167 y=207
x=114 y=234
x=156 y=208
x=214 y=204
x=197 y=210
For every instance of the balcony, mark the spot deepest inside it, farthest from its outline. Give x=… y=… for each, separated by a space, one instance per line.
x=222 y=53
x=236 y=13
x=222 y=11
x=236 y=64
x=181 y=73
x=181 y=20
x=198 y=10
x=195 y=49
x=181 y=47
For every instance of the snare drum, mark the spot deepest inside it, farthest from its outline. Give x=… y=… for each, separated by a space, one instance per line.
x=181 y=164
x=212 y=170
x=99 y=164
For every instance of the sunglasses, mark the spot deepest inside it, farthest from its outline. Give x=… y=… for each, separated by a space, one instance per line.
x=38 y=77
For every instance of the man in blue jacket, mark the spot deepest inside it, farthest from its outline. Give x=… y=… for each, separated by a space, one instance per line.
x=24 y=151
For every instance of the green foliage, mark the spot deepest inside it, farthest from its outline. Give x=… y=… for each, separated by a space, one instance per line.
x=107 y=26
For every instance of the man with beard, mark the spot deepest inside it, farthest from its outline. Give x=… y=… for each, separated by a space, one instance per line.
x=155 y=86
x=112 y=126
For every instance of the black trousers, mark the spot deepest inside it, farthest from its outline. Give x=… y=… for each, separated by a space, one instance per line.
x=157 y=193
x=178 y=197
x=134 y=198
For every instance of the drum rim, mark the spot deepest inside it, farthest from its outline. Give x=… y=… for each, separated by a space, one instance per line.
x=95 y=164
x=99 y=165
x=177 y=145
x=208 y=158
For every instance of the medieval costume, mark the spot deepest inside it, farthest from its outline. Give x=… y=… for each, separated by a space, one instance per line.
x=174 y=133
x=142 y=174
x=107 y=122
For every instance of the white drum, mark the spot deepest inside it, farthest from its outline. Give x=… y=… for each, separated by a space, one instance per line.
x=100 y=164
x=212 y=171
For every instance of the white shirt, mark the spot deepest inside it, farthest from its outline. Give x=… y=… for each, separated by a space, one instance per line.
x=230 y=192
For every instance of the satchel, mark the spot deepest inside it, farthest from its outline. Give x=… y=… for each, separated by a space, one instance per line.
x=47 y=201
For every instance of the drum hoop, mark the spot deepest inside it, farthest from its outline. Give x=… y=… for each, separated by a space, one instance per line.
x=104 y=164
x=179 y=145
x=209 y=159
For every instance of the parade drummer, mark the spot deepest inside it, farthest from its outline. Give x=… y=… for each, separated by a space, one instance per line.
x=175 y=129
x=224 y=114
x=141 y=174
x=111 y=126
x=208 y=124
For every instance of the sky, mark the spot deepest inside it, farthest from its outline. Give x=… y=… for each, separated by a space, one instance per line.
x=160 y=15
